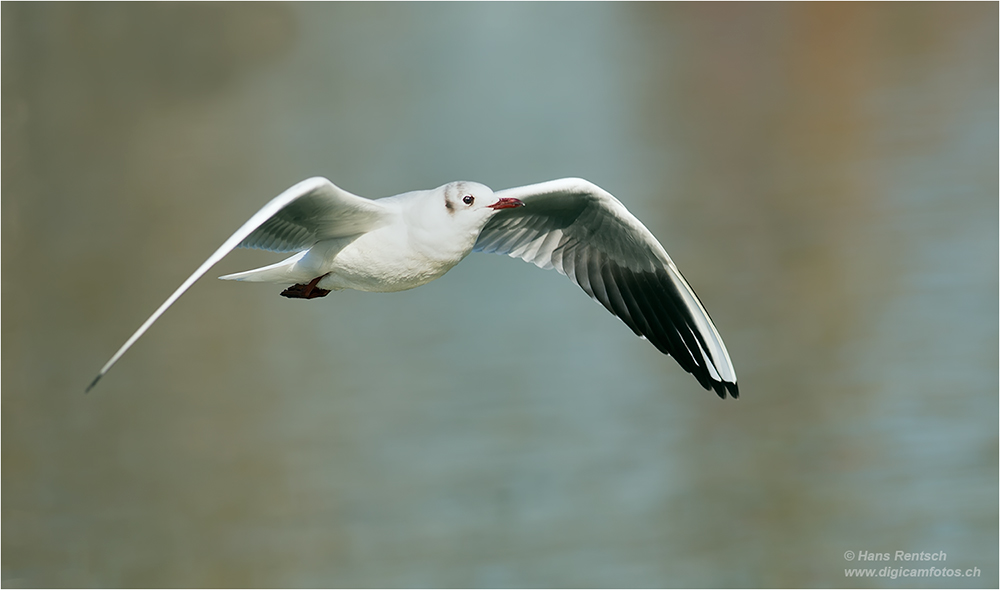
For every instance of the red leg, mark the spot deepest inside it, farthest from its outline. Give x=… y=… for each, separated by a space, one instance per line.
x=310 y=291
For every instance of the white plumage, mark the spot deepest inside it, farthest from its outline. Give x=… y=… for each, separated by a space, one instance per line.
x=343 y=241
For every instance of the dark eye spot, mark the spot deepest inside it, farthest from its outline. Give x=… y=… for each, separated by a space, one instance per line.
x=468 y=199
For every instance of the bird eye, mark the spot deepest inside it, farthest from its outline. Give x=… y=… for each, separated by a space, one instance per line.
x=468 y=199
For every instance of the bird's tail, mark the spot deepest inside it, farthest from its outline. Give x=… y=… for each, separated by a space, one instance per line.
x=279 y=272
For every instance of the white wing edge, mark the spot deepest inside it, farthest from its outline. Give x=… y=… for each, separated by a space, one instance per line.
x=611 y=204
x=258 y=218
x=726 y=372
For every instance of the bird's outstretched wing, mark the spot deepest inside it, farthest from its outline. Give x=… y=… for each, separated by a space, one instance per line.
x=585 y=233
x=312 y=210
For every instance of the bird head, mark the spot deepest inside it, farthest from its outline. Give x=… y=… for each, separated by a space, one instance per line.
x=472 y=204
x=474 y=201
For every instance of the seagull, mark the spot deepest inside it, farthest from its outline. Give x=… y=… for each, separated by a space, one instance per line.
x=343 y=241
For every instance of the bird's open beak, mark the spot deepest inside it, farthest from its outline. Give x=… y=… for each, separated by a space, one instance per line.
x=506 y=203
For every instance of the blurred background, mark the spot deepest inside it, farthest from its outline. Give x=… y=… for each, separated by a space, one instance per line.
x=825 y=175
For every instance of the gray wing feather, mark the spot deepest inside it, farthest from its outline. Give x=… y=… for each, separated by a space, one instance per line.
x=321 y=211
x=582 y=231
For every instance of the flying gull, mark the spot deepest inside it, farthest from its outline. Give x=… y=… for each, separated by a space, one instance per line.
x=343 y=241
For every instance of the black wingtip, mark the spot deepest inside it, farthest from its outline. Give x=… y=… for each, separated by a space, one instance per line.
x=721 y=387
x=93 y=383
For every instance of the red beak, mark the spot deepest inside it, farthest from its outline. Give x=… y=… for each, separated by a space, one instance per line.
x=506 y=203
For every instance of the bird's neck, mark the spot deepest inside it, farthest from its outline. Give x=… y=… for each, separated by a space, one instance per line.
x=437 y=237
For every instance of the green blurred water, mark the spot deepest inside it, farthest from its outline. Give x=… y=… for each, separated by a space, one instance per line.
x=824 y=174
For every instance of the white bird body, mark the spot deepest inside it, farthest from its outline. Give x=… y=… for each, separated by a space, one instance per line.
x=343 y=241
x=378 y=261
x=409 y=245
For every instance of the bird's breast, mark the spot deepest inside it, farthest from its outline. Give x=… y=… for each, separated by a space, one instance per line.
x=386 y=263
